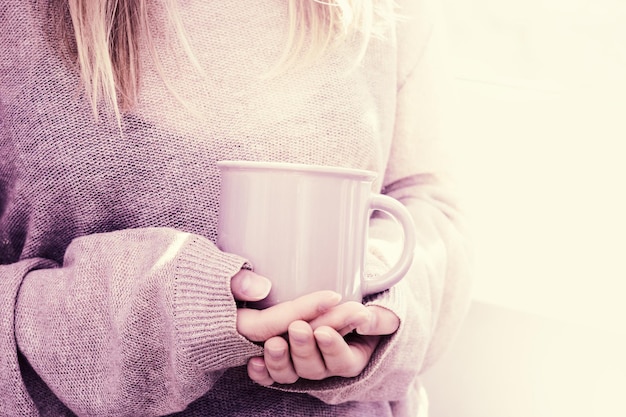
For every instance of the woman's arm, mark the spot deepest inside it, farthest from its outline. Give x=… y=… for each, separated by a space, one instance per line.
x=134 y=322
x=138 y=321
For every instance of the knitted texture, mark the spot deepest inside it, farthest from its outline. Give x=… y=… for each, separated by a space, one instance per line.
x=115 y=300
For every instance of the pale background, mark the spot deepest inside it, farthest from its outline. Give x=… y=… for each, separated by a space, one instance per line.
x=540 y=126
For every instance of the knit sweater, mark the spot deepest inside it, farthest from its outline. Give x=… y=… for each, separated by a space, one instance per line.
x=116 y=301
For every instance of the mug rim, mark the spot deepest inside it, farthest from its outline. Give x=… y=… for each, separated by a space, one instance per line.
x=297 y=167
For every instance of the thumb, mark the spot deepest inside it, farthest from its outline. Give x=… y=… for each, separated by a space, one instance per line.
x=381 y=322
x=249 y=286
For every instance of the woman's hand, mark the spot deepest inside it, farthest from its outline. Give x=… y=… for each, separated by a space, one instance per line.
x=318 y=350
x=261 y=325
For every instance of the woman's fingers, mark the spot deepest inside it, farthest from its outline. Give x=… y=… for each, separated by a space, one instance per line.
x=319 y=309
x=305 y=356
x=366 y=320
x=278 y=361
x=344 y=318
x=381 y=321
x=260 y=325
x=341 y=357
x=257 y=371
x=312 y=355
x=249 y=286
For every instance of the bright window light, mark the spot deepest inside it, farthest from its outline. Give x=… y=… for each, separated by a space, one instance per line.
x=541 y=146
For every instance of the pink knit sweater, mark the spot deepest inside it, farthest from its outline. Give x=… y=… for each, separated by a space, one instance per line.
x=115 y=300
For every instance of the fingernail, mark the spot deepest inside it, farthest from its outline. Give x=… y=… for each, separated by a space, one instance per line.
x=331 y=300
x=323 y=337
x=299 y=336
x=276 y=353
x=258 y=365
x=256 y=286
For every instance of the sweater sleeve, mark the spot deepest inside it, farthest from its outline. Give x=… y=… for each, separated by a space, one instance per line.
x=134 y=322
x=432 y=299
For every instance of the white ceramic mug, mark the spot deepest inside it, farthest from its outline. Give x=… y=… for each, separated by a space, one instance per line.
x=304 y=227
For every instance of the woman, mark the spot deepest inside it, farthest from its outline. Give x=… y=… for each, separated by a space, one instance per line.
x=115 y=299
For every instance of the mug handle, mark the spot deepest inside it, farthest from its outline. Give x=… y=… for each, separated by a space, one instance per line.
x=400 y=213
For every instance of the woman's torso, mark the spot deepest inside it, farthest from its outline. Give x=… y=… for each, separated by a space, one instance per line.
x=69 y=175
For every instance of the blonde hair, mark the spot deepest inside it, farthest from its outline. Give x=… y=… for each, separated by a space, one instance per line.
x=102 y=37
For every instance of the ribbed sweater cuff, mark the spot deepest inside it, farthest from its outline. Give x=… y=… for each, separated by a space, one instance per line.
x=205 y=310
x=391 y=299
